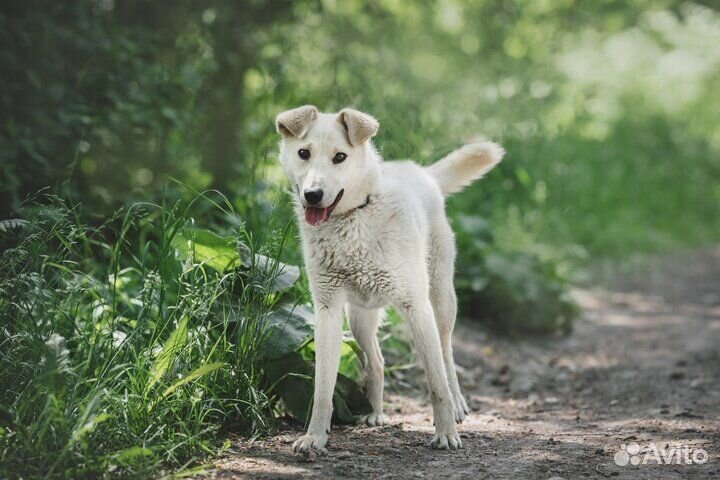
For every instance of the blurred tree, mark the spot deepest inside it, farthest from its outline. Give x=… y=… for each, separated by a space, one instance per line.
x=236 y=36
x=114 y=95
x=79 y=89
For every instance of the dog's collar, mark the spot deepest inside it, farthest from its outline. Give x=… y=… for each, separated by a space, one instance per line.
x=359 y=207
x=367 y=202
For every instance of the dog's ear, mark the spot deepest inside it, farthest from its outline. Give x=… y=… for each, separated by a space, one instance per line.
x=295 y=122
x=359 y=126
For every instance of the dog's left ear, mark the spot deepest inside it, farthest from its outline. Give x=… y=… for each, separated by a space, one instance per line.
x=359 y=126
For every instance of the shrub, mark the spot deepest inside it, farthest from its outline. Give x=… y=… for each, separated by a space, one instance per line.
x=514 y=291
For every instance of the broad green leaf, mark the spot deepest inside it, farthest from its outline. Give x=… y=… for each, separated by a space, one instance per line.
x=288 y=329
x=197 y=373
x=286 y=275
x=218 y=252
x=349 y=401
x=349 y=359
x=283 y=275
x=169 y=352
x=292 y=379
x=350 y=355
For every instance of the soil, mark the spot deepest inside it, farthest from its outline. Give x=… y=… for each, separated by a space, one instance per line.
x=640 y=369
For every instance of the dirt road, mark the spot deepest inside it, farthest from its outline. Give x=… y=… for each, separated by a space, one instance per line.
x=641 y=370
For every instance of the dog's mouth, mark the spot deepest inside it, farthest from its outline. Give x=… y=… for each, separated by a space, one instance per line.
x=316 y=215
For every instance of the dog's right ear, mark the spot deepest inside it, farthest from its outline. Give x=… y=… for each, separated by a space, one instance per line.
x=295 y=122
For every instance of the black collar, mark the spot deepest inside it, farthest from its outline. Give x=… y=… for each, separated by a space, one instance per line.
x=367 y=202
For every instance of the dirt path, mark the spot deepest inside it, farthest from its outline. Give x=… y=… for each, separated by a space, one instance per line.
x=641 y=367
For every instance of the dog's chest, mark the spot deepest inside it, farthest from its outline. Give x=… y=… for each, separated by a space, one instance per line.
x=356 y=262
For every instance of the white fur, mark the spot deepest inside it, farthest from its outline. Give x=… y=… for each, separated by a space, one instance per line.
x=397 y=250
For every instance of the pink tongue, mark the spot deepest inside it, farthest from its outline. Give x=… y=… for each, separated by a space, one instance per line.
x=315 y=216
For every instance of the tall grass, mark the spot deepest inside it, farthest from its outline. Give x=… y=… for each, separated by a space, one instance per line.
x=119 y=355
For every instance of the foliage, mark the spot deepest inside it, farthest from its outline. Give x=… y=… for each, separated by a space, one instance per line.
x=513 y=285
x=123 y=357
x=113 y=96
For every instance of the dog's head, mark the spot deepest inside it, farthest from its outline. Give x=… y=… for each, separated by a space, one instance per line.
x=328 y=158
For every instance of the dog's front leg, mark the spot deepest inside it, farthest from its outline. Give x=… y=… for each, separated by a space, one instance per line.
x=328 y=338
x=419 y=315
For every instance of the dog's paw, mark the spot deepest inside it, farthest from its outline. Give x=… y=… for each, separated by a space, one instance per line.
x=308 y=442
x=459 y=413
x=373 y=419
x=446 y=441
x=461 y=409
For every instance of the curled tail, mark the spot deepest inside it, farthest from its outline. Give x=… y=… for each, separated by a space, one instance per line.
x=461 y=167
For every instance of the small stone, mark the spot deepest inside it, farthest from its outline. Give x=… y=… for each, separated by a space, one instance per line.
x=307 y=456
x=677 y=375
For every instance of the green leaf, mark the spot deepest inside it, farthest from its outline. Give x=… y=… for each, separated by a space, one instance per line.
x=282 y=274
x=167 y=355
x=288 y=329
x=350 y=359
x=87 y=422
x=292 y=379
x=131 y=455
x=350 y=355
x=197 y=373
x=349 y=401
x=218 y=252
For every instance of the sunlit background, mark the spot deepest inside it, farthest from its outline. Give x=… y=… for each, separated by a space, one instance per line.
x=608 y=109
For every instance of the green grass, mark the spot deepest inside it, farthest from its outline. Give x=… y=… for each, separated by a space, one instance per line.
x=116 y=355
x=128 y=348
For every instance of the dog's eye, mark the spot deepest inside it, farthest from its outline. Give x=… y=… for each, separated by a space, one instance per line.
x=339 y=158
x=304 y=153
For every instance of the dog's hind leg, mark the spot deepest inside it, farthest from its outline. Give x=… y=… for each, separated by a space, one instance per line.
x=418 y=312
x=445 y=307
x=444 y=302
x=364 y=325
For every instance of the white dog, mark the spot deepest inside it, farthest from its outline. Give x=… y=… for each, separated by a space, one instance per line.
x=375 y=234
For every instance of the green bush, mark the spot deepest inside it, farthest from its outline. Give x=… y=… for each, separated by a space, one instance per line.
x=517 y=291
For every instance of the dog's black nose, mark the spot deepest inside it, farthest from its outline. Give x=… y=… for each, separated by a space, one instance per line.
x=313 y=197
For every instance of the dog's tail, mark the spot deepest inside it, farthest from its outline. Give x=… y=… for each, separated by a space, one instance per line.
x=461 y=167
